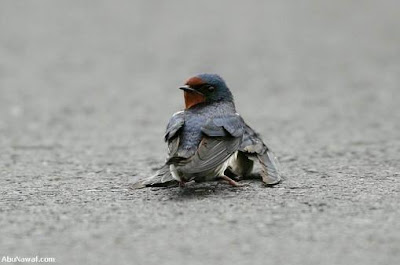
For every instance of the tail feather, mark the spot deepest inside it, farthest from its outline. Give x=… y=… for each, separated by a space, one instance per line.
x=270 y=168
x=162 y=178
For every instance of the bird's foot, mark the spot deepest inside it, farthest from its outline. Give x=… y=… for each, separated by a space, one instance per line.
x=232 y=182
x=181 y=184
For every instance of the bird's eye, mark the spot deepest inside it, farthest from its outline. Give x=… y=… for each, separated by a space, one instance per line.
x=210 y=88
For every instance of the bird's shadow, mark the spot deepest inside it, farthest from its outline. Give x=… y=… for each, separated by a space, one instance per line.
x=199 y=190
x=195 y=190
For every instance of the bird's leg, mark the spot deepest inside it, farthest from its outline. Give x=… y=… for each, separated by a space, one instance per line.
x=232 y=182
x=181 y=184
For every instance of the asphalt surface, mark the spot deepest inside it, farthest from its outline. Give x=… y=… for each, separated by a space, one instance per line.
x=86 y=90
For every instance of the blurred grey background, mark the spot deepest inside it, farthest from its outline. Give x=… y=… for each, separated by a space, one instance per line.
x=87 y=87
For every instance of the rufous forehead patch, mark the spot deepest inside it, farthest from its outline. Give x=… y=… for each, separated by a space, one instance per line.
x=194 y=81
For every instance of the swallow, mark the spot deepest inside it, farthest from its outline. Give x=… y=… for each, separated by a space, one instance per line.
x=209 y=140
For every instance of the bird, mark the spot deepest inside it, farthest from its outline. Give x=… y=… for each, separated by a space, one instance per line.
x=209 y=140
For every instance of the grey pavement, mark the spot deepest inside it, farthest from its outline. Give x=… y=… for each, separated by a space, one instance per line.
x=87 y=87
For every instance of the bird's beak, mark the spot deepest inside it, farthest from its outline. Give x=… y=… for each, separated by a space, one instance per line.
x=189 y=89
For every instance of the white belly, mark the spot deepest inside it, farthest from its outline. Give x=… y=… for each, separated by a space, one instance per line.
x=209 y=175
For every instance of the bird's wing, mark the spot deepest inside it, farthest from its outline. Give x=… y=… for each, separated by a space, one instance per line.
x=172 y=132
x=270 y=168
x=221 y=139
x=232 y=125
x=162 y=178
x=174 y=125
x=254 y=148
x=212 y=152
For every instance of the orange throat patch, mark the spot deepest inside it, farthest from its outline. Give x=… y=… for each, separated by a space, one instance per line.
x=192 y=98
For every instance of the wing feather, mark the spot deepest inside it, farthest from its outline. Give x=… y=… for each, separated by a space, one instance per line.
x=162 y=178
x=270 y=169
x=224 y=125
x=254 y=147
x=174 y=125
x=211 y=153
x=221 y=139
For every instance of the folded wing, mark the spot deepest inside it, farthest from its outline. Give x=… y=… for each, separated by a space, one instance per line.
x=221 y=139
x=255 y=149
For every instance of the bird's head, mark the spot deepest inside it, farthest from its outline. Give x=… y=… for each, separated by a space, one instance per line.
x=205 y=88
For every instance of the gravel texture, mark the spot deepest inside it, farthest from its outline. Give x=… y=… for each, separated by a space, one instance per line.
x=86 y=90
